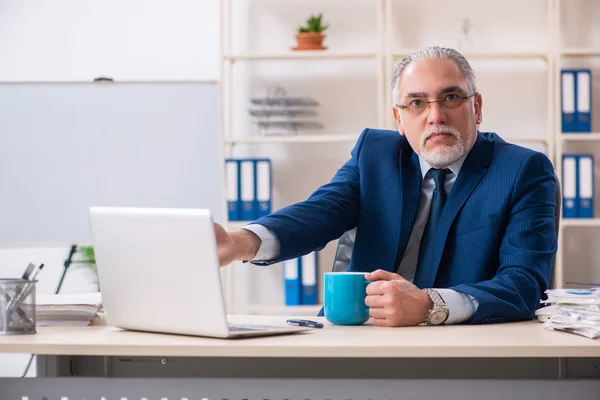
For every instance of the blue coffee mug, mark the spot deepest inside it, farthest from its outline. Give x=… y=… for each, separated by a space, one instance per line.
x=345 y=294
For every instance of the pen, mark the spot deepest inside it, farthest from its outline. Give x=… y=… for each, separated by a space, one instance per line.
x=28 y=271
x=21 y=295
x=304 y=322
x=10 y=300
x=37 y=271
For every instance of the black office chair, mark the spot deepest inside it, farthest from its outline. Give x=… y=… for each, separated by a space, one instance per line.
x=346 y=241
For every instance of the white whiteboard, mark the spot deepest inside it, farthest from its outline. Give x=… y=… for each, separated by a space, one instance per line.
x=65 y=147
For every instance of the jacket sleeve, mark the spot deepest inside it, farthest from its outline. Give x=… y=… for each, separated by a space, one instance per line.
x=329 y=212
x=527 y=249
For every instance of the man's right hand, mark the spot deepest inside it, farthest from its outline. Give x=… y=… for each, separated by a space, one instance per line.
x=240 y=244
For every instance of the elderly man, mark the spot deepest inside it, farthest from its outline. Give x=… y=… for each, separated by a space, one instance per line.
x=454 y=225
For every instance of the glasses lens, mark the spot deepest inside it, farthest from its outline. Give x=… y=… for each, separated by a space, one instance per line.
x=417 y=107
x=452 y=102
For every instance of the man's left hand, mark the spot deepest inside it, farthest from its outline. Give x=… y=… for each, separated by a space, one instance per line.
x=394 y=301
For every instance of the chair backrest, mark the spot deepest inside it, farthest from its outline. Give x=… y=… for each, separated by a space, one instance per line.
x=557 y=224
x=346 y=241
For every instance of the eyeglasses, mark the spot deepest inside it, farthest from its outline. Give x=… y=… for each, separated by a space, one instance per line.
x=448 y=101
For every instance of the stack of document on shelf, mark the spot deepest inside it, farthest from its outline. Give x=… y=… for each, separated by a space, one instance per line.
x=572 y=310
x=67 y=309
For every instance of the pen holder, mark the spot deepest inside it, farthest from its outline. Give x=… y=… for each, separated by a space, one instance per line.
x=17 y=306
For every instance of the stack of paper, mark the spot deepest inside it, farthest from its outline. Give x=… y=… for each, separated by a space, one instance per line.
x=572 y=310
x=67 y=309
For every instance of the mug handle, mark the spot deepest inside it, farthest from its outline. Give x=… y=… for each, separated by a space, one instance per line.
x=367 y=284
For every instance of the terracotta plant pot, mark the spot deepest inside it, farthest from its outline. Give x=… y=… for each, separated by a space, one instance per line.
x=309 y=41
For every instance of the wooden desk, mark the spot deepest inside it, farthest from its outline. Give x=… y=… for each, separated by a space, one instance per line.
x=525 y=339
x=350 y=362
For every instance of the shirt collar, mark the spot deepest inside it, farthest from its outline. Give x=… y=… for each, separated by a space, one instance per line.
x=454 y=167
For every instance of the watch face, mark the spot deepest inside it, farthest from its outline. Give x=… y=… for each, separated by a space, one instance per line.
x=437 y=317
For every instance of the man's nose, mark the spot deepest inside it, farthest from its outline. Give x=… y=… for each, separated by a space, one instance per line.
x=436 y=114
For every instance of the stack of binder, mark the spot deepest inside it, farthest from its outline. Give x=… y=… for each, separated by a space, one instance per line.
x=248 y=188
x=576 y=100
x=578 y=185
x=300 y=279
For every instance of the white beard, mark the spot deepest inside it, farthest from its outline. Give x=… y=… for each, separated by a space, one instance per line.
x=442 y=156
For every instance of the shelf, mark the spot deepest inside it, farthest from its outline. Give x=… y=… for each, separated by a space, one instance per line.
x=294 y=139
x=521 y=139
x=580 y=52
x=486 y=54
x=579 y=222
x=236 y=224
x=276 y=309
x=300 y=55
x=580 y=136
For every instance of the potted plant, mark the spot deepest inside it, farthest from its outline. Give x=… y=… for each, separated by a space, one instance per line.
x=87 y=260
x=310 y=36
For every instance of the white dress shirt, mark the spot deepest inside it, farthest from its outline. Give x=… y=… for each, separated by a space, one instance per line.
x=461 y=306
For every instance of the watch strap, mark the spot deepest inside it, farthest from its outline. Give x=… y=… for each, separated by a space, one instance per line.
x=439 y=307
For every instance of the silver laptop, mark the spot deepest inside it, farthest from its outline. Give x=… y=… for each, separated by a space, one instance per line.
x=158 y=271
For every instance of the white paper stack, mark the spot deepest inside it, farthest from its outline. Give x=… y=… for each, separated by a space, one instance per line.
x=572 y=310
x=67 y=309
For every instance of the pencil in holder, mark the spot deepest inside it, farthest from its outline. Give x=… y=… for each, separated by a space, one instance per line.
x=17 y=306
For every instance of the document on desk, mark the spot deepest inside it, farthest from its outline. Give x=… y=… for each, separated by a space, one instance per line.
x=575 y=311
x=78 y=309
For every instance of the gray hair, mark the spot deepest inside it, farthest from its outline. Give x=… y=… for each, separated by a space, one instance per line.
x=434 y=53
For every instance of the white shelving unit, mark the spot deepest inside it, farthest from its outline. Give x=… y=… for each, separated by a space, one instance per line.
x=293 y=139
x=300 y=55
x=579 y=52
x=479 y=55
x=229 y=58
x=524 y=139
x=388 y=48
x=579 y=137
x=233 y=139
x=562 y=55
x=573 y=222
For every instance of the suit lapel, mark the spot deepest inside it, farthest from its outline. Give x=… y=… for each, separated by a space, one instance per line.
x=473 y=169
x=410 y=197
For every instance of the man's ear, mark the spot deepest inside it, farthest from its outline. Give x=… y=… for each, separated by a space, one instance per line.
x=478 y=104
x=398 y=119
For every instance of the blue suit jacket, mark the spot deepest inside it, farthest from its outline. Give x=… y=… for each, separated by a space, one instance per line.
x=496 y=237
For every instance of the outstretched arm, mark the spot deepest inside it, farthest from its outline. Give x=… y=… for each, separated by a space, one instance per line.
x=329 y=212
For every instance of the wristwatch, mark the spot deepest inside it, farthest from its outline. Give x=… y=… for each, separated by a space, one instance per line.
x=439 y=313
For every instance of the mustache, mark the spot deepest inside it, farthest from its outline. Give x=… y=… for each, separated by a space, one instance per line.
x=430 y=130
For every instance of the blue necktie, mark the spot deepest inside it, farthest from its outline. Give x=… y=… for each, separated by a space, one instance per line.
x=424 y=271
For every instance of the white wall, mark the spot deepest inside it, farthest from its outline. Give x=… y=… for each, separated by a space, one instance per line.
x=76 y=40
